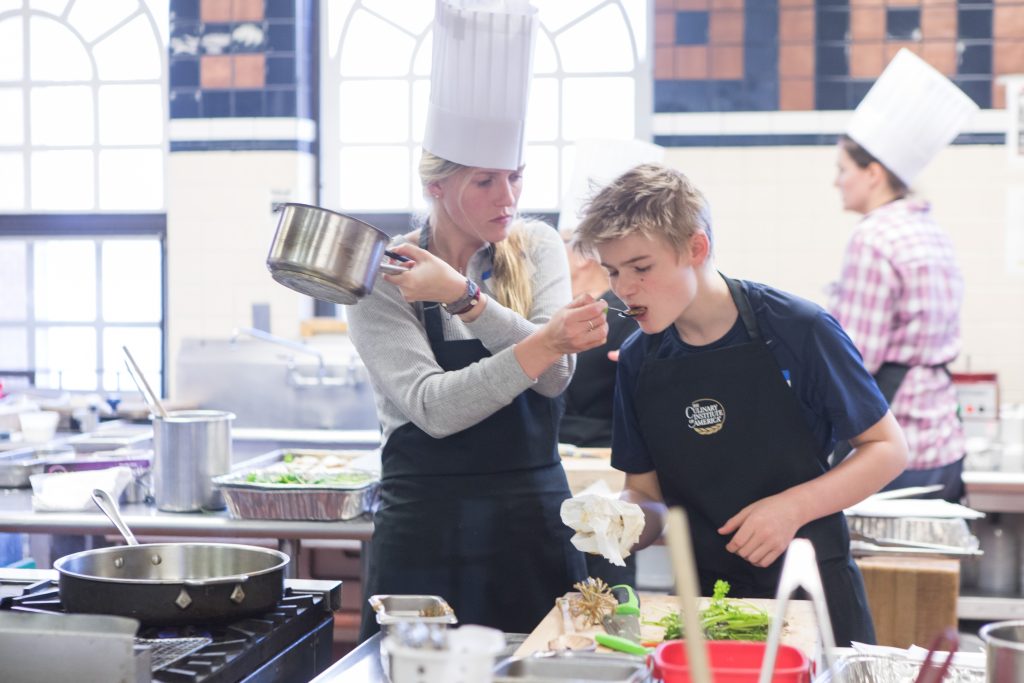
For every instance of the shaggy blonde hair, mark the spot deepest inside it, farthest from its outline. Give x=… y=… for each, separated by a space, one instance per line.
x=511 y=277
x=651 y=200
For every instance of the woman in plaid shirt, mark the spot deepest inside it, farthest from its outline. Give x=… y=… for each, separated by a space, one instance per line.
x=899 y=297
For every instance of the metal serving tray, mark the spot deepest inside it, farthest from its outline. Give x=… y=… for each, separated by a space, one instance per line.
x=572 y=668
x=430 y=609
x=912 y=536
x=18 y=465
x=862 y=668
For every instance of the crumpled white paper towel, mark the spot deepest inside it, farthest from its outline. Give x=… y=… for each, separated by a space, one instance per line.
x=66 y=491
x=604 y=525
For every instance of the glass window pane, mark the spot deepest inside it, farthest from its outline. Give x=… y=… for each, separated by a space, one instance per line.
x=55 y=54
x=147 y=350
x=636 y=11
x=540 y=178
x=373 y=47
x=613 y=97
x=132 y=179
x=64 y=280
x=601 y=42
x=374 y=178
x=131 y=286
x=545 y=58
x=13 y=280
x=12 y=132
x=12 y=189
x=420 y=103
x=160 y=9
x=51 y=124
x=555 y=14
x=374 y=111
x=542 y=113
x=13 y=348
x=66 y=358
x=137 y=39
x=131 y=115
x=412 y=16
x=12 y=53
x=62 y=180
x=422 y=62
x=93 y=19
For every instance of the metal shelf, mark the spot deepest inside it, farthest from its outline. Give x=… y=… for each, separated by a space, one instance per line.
x=989 y=608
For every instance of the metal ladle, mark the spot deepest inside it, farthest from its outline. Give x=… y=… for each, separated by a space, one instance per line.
x=148 y=395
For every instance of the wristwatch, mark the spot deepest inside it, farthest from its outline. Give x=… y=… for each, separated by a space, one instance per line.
x=465 y=302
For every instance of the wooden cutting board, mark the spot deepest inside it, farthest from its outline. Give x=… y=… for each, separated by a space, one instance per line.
x=800 y=630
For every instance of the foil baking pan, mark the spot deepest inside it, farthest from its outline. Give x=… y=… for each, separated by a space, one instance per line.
x=885 y=535
x=863 y=668
x=430 y=609
x=246 y=500
x=17 y=466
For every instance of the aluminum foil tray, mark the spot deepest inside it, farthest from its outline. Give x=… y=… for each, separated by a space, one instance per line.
x=572 y=668
x=887 y=669
x=951 y=533
x=247 y=500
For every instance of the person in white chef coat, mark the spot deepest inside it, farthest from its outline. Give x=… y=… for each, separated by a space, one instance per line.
x=470 y=350
x=900 y=290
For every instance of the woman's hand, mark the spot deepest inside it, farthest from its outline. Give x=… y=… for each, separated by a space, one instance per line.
x=581 y=325
x=428 y=278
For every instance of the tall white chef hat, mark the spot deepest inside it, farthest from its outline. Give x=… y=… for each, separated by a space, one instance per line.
x=480 y=81
x=911 y=112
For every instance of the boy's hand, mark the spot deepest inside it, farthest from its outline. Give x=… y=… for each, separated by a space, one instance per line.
x=763 y=529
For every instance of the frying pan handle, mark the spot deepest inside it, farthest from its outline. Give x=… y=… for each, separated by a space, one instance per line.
x=240 y=578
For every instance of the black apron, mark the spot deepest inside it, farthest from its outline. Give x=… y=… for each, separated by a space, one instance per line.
x=725 y=430
x=475 y=516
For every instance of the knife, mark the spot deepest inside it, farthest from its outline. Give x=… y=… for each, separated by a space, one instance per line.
x=624 y=621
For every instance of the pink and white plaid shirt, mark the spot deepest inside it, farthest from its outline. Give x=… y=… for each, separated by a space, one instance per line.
x=899 y=298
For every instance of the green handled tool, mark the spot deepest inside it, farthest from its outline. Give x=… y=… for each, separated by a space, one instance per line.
x=620 y=644
x=624 y=621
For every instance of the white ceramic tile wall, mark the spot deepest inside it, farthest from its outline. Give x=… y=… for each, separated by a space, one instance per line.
x=219 y=228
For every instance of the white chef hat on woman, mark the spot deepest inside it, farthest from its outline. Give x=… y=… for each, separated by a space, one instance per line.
x=911 y=113
x=480 y=81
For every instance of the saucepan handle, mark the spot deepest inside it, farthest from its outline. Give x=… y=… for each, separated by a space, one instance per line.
x=391 y=269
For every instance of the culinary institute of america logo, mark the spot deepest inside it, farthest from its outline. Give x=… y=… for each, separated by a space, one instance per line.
x=705 y=416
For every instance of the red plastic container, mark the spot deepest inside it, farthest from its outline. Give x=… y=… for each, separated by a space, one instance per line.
x=732 y=661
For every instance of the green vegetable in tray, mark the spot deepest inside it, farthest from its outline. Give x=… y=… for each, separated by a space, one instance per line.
x=723 y=619
x=351 y=478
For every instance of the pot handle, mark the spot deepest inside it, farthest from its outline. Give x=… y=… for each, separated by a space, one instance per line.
x=392 y=269
x=240 y=578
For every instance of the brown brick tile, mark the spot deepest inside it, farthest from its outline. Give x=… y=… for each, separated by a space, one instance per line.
x=796 y=25
x=698 y=5
x=903 y=3
x=726 y=62
x=727 y=4
x=665 y=28
x=867 y=59
x=998 y=95
x=796 y=95
x=247 y=10
x=867 y=3
x=1008 y=57
x=725 y=28
x=941 y=54
x=867 y=23
x=796 y=61
x=215 y=71
x=795 y=3
x=664 y=62
x=664 y=4
x=250 y=71
x=215 y=11
x=894 y=46
x=1008 y=21
x=691 y=61
x=938 y=23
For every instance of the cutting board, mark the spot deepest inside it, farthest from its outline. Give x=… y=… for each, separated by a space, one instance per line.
x=800 y=630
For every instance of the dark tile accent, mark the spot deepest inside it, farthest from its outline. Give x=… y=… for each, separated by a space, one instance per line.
x=975 y=59
x=831 y=60
x=247 y=102
x=692 y=28
x=184 y=105
x=217 y=28
x=183 y=72
x=280 y=9
x=761 y=63
x=281 y=70
x=762 y=27
x=830 y=95
x=855 y=92
x=832 y=24
x=831 y=3
x=901 y=23
x=304 y=101
x=241 y=145
x=183 y=28
x=978 y=89
x=974 y=23
x=281 y=37
x=215 y=104
x=681 y=96
x=184 y=9
x=280 y=102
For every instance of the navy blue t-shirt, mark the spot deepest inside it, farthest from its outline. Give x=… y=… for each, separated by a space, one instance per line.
x=838 y=397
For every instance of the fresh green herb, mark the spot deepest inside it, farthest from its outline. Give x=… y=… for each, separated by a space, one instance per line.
x=723 y=619
x=288 y=457
x=351 y=478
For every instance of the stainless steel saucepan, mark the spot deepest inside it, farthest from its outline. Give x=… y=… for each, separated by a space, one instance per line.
x=328 y=255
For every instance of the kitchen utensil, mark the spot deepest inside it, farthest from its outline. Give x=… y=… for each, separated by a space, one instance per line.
x=191 y=447
x=569 y=639
x=685 y=569
x=629 y=312
x=571 y=667
x=908 y=492
x=171 y=583
x=624 y=621
x=933 y=672
x=900 y=543
x=1004 y=650
x=148 y=395
x=107 y=505
x=622 y=644
x=328 y=255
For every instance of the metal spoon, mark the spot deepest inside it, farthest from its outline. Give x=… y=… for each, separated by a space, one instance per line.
x=152 y=400
x=629 y=312
x=109 y=508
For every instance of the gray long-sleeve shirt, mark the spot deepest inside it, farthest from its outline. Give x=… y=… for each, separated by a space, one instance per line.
x=408 y=383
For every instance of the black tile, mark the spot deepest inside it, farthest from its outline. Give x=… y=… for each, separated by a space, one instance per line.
x=280 y=9
x=831 y=3
x=761 y=27
x=280 y=102
x=184 y=9
x=728 y=96
x=830 y=95
x=680 y=96
x=215 y=103
x=979 y=90
x=180 y=29
x=975 y=59
x=280 y=70
x=762 y=94
x=281 y=37
x=761 y=62
x=974 y=23
x=832 y=24
x=831 y=60
x=692 y=28
x=855 y=92
x=247 y=102
x=184 y=105
x=183 y=72
x=903 y=23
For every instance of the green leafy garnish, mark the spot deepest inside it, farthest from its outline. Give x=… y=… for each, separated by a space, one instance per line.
x=723 y=619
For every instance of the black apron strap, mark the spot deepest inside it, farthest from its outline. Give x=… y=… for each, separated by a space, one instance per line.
x=888 y=378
